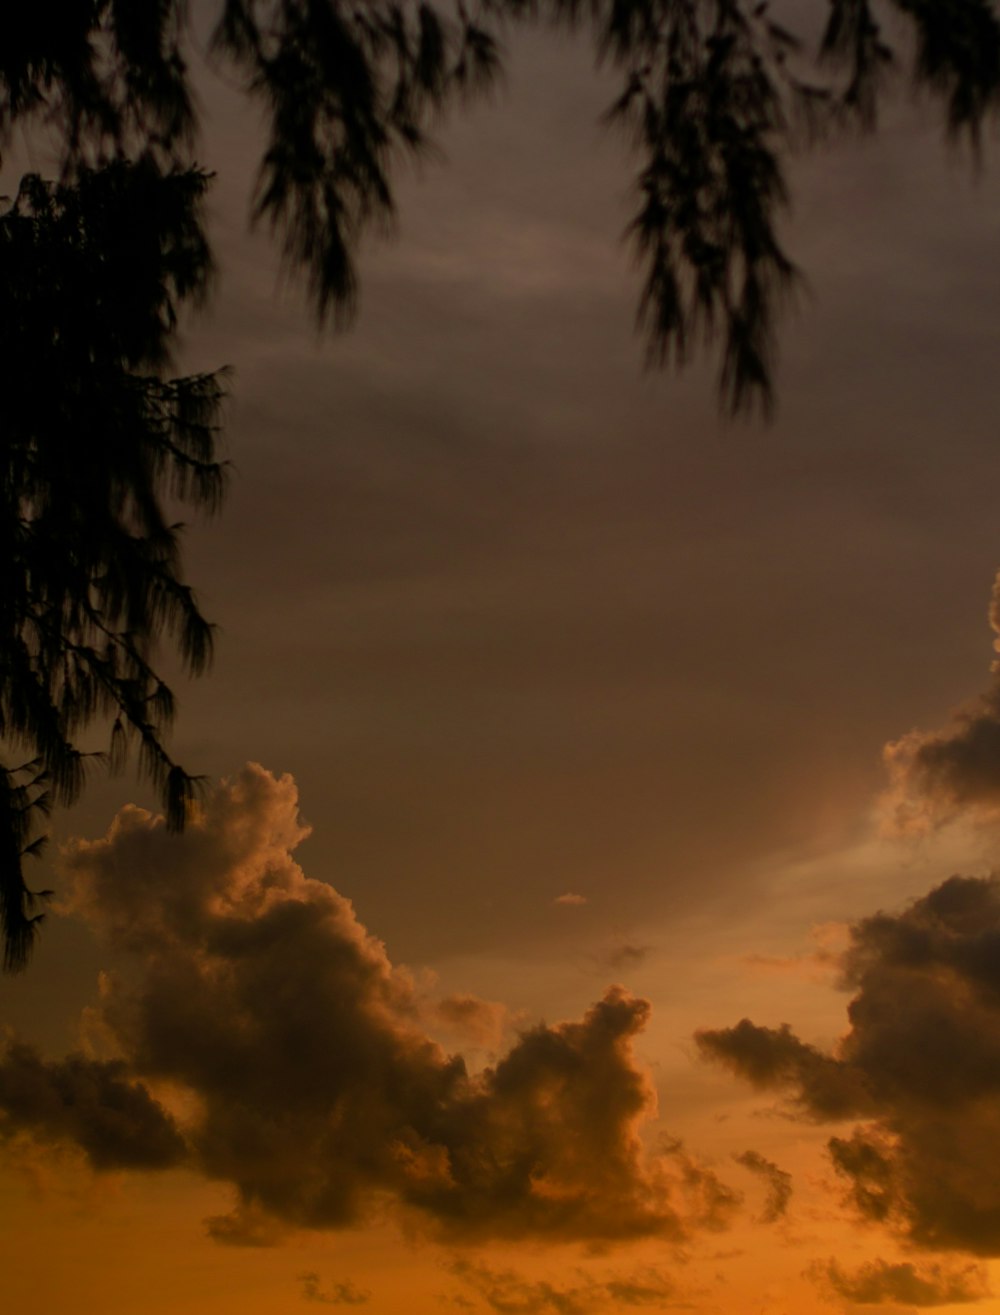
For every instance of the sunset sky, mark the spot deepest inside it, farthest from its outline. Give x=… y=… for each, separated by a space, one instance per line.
x=591 y=909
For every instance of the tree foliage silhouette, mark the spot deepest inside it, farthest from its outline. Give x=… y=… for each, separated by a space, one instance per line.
x=96 y=266
x=94 y=440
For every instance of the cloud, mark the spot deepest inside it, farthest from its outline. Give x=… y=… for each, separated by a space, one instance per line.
x=880 y=1282
x=919 y=1065
x=337 y=1294
x=626 y=956
x=91 y=1104
x=247 y=1225
x=935 y=776
x=479 y=1021
x=779 y=1184
x=509 y=1293
x=774 y=1058
x=570 y=899
x=305 y=1071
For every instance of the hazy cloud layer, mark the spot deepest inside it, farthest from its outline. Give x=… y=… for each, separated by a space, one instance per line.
x=936 y=775
x=880 y=1282
x=303 y=1053
x=920 y=1065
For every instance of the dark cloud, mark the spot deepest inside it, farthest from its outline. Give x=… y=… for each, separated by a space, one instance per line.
x=510 y=1293
x=779 y=1184
x=315 y=1088
x=937 y=775
x=769 y=1058
x=336 y=1294
x=920 y=1065
x=92 y=1104
x=880 y=1282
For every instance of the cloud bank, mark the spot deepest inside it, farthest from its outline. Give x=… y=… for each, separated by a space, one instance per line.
x=920 y=1066
x=308 y=1080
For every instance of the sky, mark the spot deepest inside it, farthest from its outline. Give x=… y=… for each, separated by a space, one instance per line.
x=592 y=909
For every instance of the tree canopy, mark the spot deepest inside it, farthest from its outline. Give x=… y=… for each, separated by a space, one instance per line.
x=96 y=265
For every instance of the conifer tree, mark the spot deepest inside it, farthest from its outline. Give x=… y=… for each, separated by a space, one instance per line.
x=95 y=440
x=95 y=267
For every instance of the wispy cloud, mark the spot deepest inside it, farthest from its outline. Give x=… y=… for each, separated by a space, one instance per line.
x=779 y=1184
x=344 y=1293
x=624 y=957
x=509 y=1293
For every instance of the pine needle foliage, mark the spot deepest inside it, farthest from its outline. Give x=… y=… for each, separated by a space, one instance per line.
x=713 y=95
x=93 y=444
x=94 y=267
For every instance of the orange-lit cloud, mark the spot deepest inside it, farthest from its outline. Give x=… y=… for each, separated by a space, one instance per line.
x=920 y=1065
x=313 y=1086
x=880 y=1282
x=344 y=1293
x=779 y=1184
x=509 y=1293
x=478 y=1021
x=936 y=775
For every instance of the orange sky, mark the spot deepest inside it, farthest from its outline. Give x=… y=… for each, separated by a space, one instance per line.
x=570 y=705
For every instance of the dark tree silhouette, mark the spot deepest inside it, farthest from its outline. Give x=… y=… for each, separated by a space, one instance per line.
x=94 y=439
x=95 y=267
x=714 y=92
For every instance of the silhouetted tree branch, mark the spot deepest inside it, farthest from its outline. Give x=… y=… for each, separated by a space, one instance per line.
x=714 y=92
x=95 y=266
x=94 y=440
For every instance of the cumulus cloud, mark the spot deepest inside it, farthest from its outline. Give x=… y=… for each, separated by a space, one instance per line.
x=919 y=1065
x=779 y=1184
x=880 y=1282
x=91 y=1104
x=509 y=1293
x=936 y=775
x=307 y=1078
x=570 y=899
